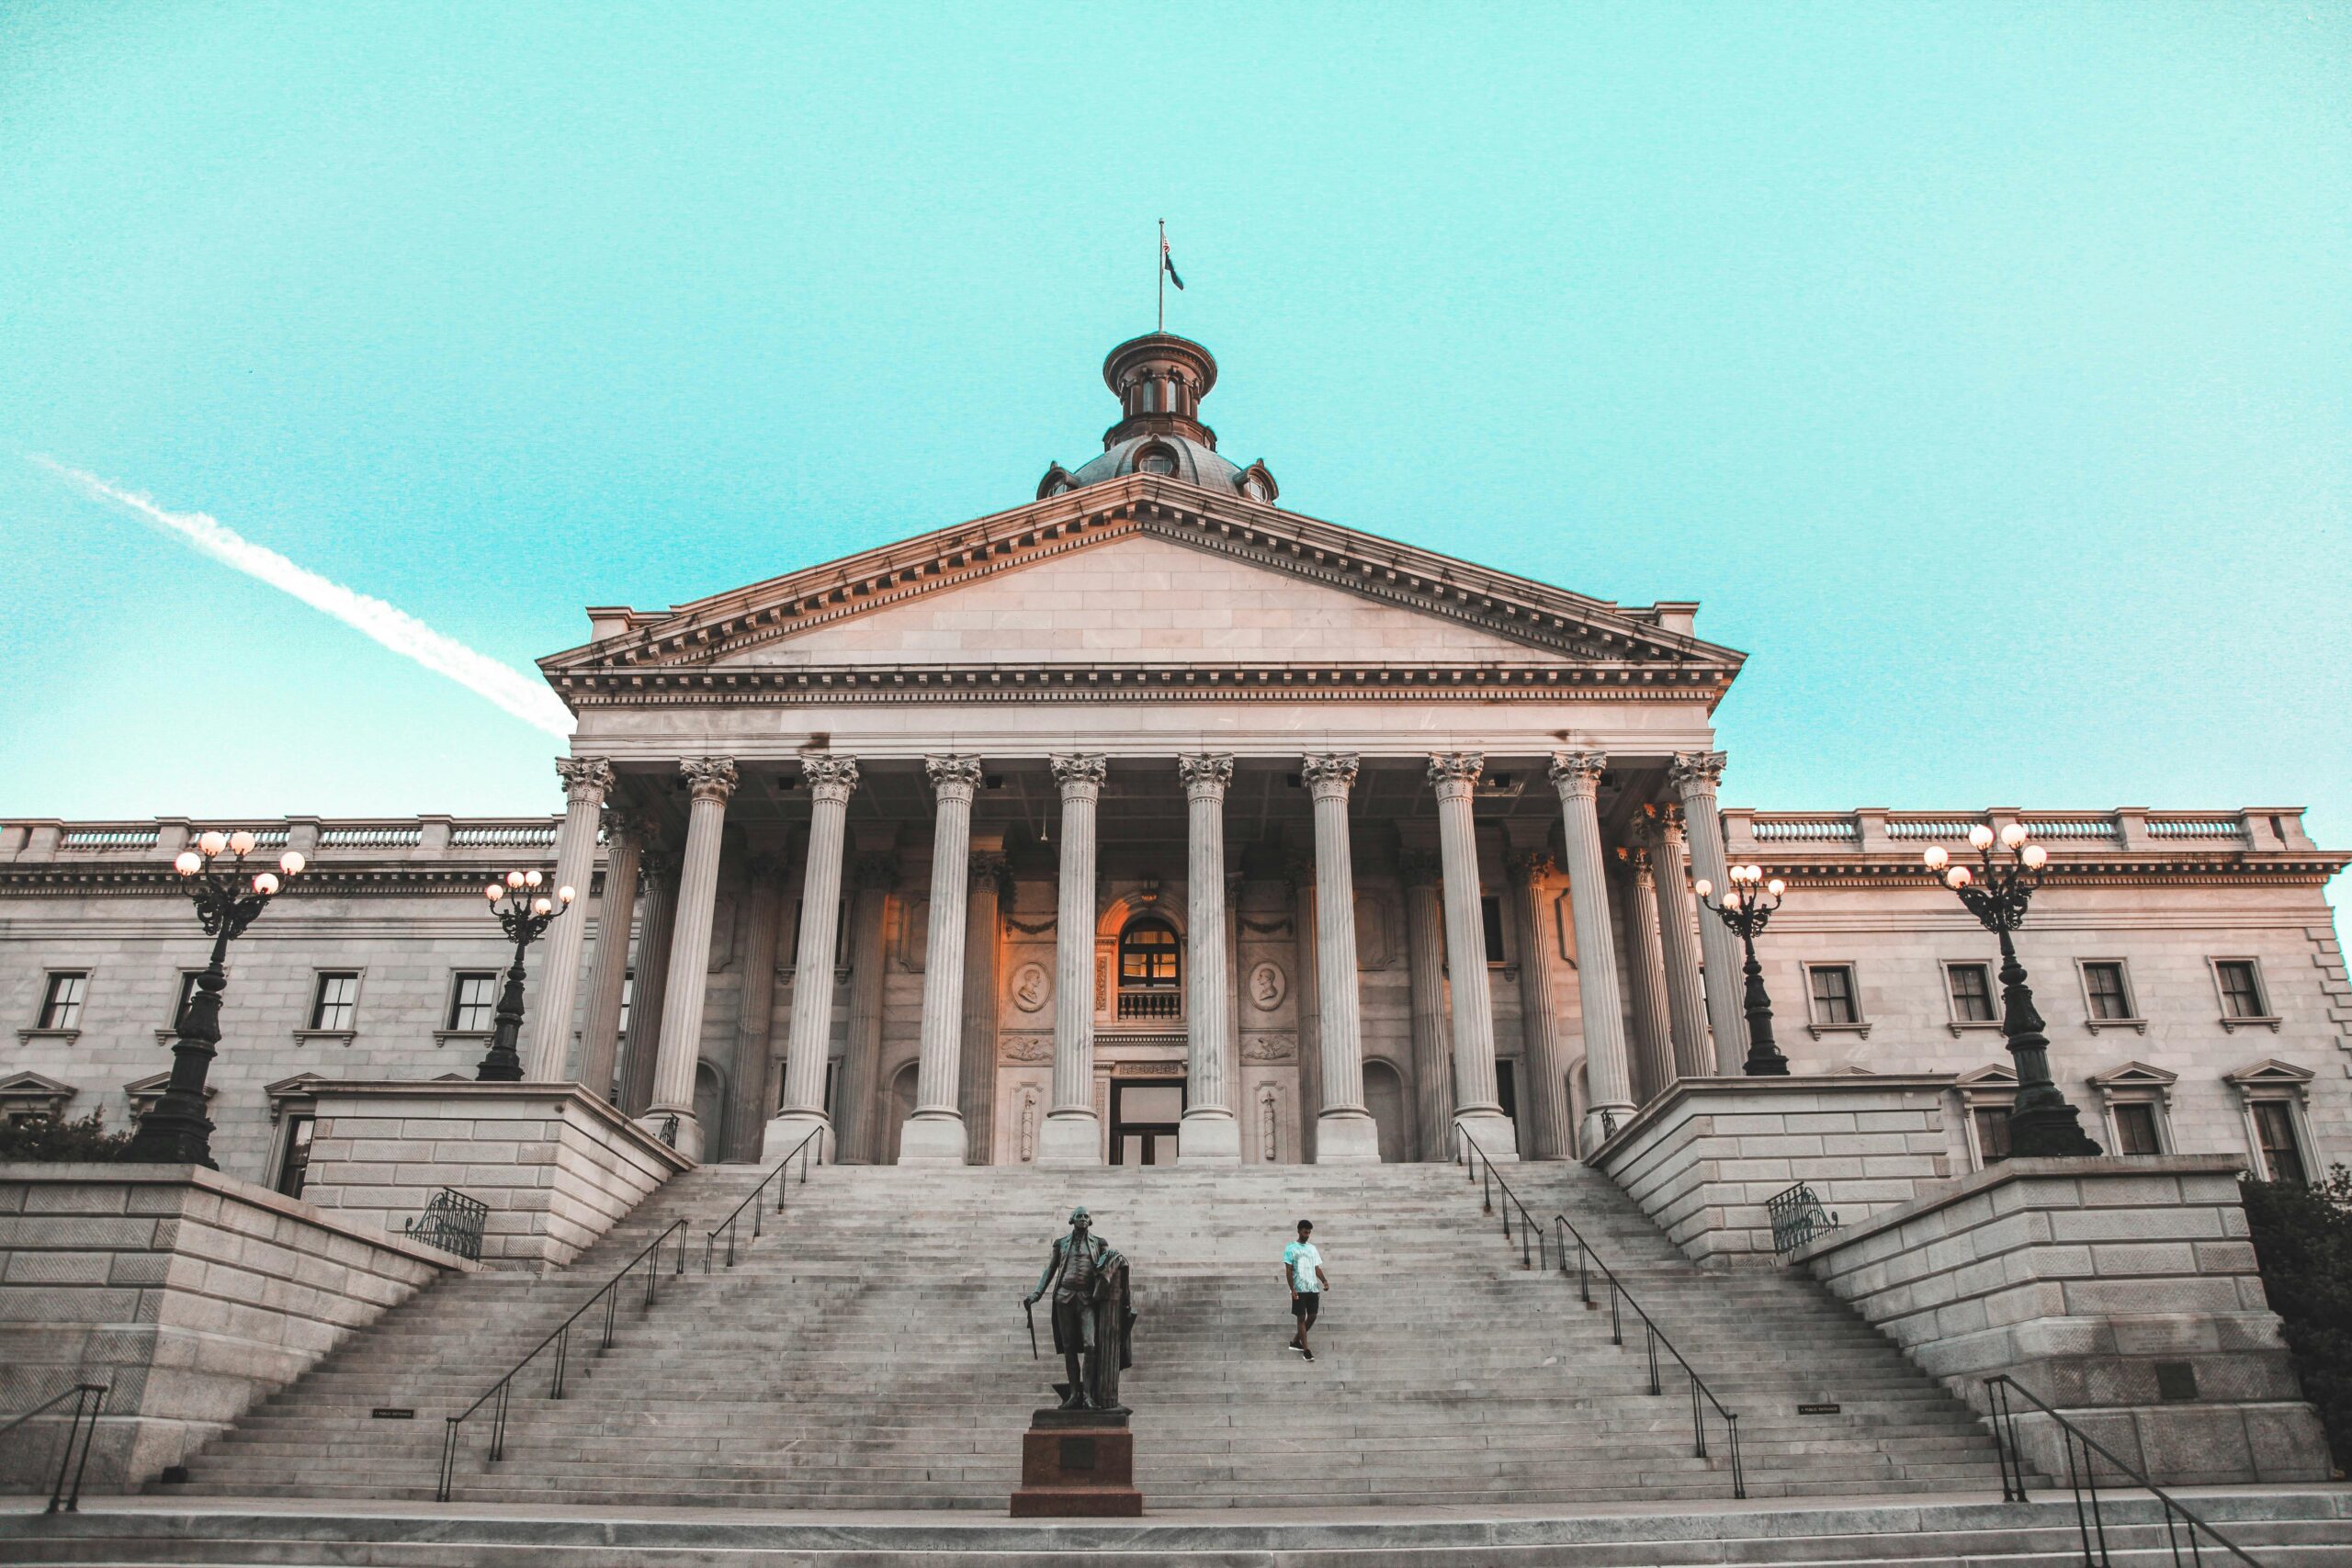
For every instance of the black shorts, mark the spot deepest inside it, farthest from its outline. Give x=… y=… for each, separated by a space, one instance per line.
x=1305 y=1306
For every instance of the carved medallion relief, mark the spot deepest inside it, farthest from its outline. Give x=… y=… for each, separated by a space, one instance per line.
x=1267 y=986
x=1033 y=987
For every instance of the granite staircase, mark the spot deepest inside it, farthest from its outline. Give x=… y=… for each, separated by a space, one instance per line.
x=868 y=1352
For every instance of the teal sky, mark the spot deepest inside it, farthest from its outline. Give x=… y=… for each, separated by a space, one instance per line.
x=1985 y=370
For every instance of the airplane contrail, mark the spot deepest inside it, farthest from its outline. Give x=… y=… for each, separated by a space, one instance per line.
x=520 y=695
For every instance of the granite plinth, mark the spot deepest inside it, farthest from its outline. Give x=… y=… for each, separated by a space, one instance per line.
x=1078 y=1465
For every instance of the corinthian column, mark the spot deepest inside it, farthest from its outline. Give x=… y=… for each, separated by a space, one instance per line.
x=1209 y=1136
x=857 y=1098
x=1695 y=775
x=585 y=782
x=711 y=781
x=1345 y=1132
x=748 y=1092
x=600 y=1035
x=660 y=886
x=1576 y=776
x=1072 y=1134
x=1686 y=1001
x=1306 y=998
x=1545 y=1089
x=1425 y=970
x=1478 y=1110
x=830 y=780
x=982 y=941
x=934 y=1133
x=1645 y=967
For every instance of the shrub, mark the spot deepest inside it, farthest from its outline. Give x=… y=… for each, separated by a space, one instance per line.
x=2302 y=1239
x=48 y=1141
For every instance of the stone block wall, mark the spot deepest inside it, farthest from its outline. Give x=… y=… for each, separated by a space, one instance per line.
x=1703 y=1158
x=192 y=1294
x=2123 y=1293
x=558 y=1167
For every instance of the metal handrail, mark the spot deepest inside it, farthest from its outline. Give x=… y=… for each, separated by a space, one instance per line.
x=2090 y=1524
x=1467 y=1153
x=560 y=1337
x=799 y=1151
x=89 y=1396
x=1620 y=1297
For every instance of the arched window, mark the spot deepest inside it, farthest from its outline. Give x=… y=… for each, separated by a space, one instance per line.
x=1151 y=969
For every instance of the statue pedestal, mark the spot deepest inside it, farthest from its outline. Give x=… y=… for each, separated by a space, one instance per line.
x=1078 y=1465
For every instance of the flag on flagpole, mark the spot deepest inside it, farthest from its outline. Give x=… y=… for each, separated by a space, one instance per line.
x=1167 y=262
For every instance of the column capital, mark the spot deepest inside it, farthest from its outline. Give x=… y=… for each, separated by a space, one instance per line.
x=828 y=774
x=1577 y=772
x=656 y=862
x=952 y=775
x=990 y=868
x=1527 y=867
x=762 y=866
x=1455 y=773
x=584 y=778
x=709 y=778
x=1079 y=774
x=1298 y=872
x=877 y=869
x=1205 y=773
x=1696 y=772
x=1330 y=774
x=1636 y=858
x=1420 y=868
x=625 y=823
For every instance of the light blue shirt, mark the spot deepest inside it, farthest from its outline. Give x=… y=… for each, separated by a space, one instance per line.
x=1303 y=1261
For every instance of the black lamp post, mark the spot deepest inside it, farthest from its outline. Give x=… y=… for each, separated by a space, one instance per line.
x=1744 y=910
x=2041 y=1123
x=526 y=913
x=177 y=1132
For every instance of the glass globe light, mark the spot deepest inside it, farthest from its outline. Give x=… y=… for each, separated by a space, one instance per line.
x=211 y=842
x=188 y=863
x=1776 y=888
x=1958 y=878
x=1705 y=888
x=2013 y=835
x=1980 y=837
x=532 y=879
x=494 y=892
x=541 y=906
x=1937 y=857
x=240 y=842
x=1731 y=900
x=565 y=896
x=291 y=863
x=266 y=883
x=2035 y=857
x=514 y=879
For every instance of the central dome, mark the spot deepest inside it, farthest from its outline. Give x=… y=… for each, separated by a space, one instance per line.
x=1159 y=380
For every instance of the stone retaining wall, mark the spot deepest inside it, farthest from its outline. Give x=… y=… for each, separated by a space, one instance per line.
x=192 y=1294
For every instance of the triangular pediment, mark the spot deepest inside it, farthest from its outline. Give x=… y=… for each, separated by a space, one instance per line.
x=30 y=1087
x=1142 y=572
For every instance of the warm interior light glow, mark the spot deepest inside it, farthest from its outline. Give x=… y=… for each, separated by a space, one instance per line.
x=2013 y=835
x=264 y=883
x=188 y=863
x=291 y=863
x=565 y=895
x=2035 y=857
x=241 y=842
x=1980 y=837
x=1937 y=857
x=212 y=841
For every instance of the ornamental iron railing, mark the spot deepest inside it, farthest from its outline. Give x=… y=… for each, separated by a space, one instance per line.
x=1797 y=1218
x=451 y=1222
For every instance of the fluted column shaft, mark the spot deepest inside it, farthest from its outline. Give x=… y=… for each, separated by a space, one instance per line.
x=1209 y=1136
x=1695 y=775
x=586 y=781
x=1686 y=1000
x=1645 y=968
x=1607 y=1077
x=831 y=780
x=1344 y=1129
x=600 y=1034
x=934 y=1133
x=1543 y=1095
x=1425 y=974
x=711 y=781
x=1307 y=1002
x=660 y=885
x=982 y=949
x=1478 y=1110
x=858 y=1109
x=1072 y=1133
x=748 y=1101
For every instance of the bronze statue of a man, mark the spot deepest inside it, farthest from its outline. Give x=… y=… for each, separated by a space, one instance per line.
x=1093 y=1320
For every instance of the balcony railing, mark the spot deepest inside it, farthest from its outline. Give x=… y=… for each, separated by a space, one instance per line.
x=1151 y=1004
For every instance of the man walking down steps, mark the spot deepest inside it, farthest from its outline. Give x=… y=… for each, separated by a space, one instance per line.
x=1303 y=1273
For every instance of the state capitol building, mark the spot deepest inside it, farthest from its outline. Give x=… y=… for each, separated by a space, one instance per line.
x=1148 y=822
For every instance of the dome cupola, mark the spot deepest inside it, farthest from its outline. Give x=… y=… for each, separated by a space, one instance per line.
x=1159 y=380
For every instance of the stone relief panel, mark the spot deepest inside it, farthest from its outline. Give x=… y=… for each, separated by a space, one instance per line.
x=1026 y=1048
x=1033 y=987
x=1269 y=1047
x=1268 y=986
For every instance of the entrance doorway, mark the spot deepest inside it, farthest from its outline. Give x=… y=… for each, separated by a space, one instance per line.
x=1145 y=1118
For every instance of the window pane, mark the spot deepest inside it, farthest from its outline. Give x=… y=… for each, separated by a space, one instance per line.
x=474 y=1002
x=1147 y=955
x=1971 y=993
x=297 y=1163
x=187 y=995
x=2241 y=997
x=1490 y=926
x=61 y=1008
x=338 y=1003
x=1993 y=1132
x=2135 y=1130
x=2104 y=982
x=2275 y=1125
x=1833 y=995
x=1162 y=1103
x=629 y=990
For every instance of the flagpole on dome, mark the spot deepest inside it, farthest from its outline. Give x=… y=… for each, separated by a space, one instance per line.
x=1168 y=275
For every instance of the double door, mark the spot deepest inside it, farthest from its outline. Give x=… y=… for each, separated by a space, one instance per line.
x=1145 y=1114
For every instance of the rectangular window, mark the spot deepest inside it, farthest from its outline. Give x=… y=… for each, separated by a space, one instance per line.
x=2103 y=984
x=337 y=1008
x=2241 y=988
x=188 y=978
x=628 y=992
x=296 y=1164
x=1972 y=992
x=61 y=1005
x=1992 y=1133
x=473 y=1001
x=2135 y=1130
x=2282 y=1155
x=1490 y=924
x=1832 y=994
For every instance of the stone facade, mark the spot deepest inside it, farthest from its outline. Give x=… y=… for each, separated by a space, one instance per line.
x=188 y=1293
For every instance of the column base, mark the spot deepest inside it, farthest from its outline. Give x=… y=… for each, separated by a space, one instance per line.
x=933 y=1137
x=1208 y=1137
x=1072 y=1137
x=786 y=1130
x=687 y=1140
x=1494 y=1132
x=1601 y=1124
x=1346 y=1136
